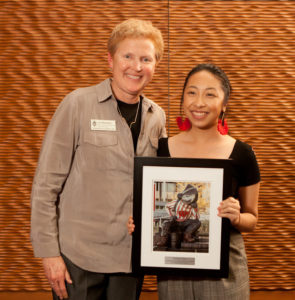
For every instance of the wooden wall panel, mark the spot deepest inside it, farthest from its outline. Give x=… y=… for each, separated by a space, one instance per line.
x=48 y=48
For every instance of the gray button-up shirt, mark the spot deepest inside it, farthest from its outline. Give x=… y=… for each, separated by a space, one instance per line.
x=83 y=186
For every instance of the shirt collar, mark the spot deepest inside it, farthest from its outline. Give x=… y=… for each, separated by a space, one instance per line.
x=104 y=91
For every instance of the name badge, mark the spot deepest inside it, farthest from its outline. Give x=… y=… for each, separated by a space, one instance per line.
x=107 y=125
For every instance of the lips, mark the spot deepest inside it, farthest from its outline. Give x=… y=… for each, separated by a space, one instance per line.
x=135 y=77
x=199 y=114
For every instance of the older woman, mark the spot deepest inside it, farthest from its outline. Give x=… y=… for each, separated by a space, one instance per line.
x=82 y=190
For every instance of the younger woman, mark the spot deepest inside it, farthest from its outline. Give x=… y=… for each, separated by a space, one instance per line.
x=204 y=135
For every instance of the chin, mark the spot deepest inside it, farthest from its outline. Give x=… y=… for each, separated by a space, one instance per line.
x=203 y=127
x=137 y=90
x=134 y=91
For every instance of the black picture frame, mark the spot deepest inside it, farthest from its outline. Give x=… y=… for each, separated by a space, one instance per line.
x=158 y=178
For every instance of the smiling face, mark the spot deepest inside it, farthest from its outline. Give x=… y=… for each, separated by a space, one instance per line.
x=203 y=100
x=133 y=66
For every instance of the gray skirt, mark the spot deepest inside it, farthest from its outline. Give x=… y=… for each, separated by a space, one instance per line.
x=235 y=287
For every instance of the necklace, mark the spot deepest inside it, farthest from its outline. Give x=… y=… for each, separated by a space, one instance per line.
x=135 y=119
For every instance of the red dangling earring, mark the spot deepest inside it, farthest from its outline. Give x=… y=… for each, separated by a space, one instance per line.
x=222 y=125
x=183 y=125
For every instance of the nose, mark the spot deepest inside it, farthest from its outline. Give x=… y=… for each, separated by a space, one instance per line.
x=137 y=65
x=199 y=101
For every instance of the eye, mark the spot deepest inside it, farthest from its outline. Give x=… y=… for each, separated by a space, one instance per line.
x=191 y=92
x=127 y=56
x=146 y=59
x=210 y=95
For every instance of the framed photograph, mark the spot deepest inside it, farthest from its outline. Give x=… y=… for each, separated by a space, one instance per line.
x=177 y=229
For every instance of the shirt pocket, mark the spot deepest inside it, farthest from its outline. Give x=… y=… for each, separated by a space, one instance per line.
x=101 y=139
x=101 y=149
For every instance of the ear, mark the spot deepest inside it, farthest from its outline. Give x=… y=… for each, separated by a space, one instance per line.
x=156 y=63
x=110 y=60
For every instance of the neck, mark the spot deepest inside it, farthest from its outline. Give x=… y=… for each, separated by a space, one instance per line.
x=129 y=100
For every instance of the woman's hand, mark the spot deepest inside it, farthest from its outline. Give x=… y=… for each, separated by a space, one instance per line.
x=230 y=208
x=57 y=273
x=130 y=225
x=243 y=213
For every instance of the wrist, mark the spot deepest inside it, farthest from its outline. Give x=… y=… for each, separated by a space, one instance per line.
x=237 y=221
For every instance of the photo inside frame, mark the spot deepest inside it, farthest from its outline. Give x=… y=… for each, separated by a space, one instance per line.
x=181 y=216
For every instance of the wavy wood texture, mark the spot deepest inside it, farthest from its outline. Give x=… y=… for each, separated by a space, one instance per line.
x=49 y=48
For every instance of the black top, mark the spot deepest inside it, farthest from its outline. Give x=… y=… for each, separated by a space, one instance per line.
x=129 y=112
x=245 y=166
